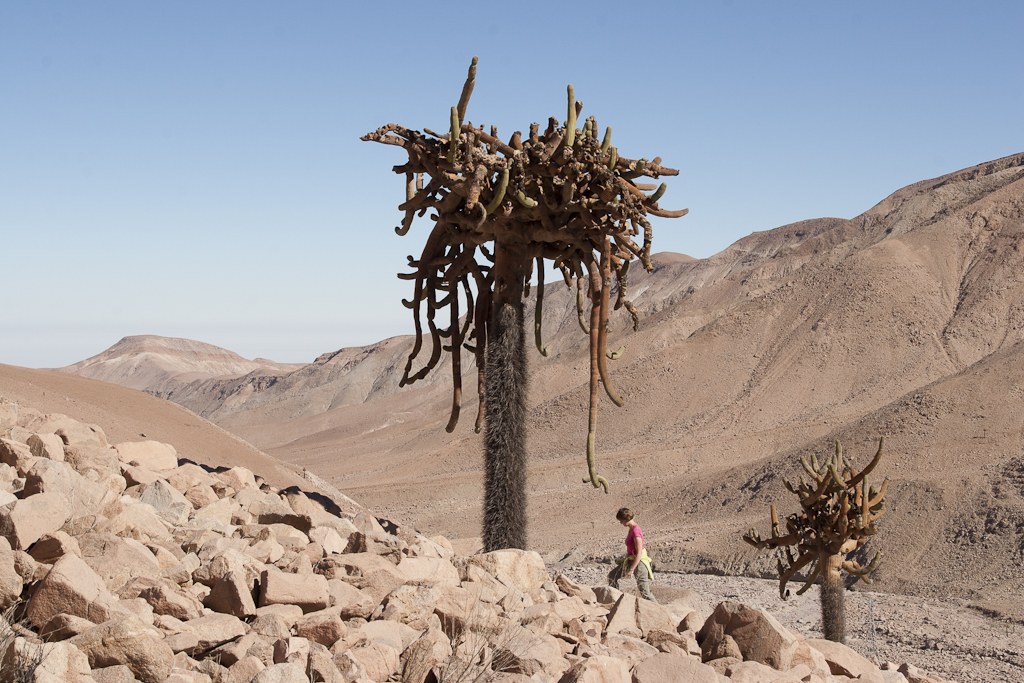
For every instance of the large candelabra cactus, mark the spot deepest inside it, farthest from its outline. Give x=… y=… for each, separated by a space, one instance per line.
x=838 y=514
x=563 y=194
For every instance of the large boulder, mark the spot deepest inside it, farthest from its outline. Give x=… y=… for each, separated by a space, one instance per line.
x=49 y=446
x=758 y=635
x=842 y=660
x=72 y=587
x=10 y=580
x=128 y=641
x=168 y=502
x=522 y=569
x=673 y=668
x=598 y=669
x=25 y=521
x=308 y=591
x=117 y=560
x=152 y=455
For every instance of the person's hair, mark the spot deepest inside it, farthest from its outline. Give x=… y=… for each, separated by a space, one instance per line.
x=624 y=514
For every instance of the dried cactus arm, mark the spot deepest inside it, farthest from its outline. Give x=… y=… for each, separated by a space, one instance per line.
x=456 y=351
x=538 y=314
x=871 y=465
x=813 y=575
x=595 y=353
x=602 y=306
x=579 y=305
x=794 y=567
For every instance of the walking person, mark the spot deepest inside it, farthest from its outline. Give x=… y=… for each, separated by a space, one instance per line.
x=636 y=561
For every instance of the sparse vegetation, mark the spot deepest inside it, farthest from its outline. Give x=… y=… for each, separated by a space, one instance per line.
x=838 y=514
x=563 y=195
x=19 y=660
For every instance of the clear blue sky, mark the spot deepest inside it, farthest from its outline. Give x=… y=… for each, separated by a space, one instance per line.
x=194 y=169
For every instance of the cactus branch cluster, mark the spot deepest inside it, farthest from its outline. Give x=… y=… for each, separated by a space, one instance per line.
x=562 y=194
x=838 y=514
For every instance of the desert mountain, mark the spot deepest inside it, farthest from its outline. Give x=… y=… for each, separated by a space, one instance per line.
x=150 y=362
x=907 y=320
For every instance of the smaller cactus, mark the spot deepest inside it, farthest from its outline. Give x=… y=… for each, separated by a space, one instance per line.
x=839 y=510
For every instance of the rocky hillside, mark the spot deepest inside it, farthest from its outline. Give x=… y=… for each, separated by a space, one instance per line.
x=159 y=364
x=907 y=320
x=124 y=563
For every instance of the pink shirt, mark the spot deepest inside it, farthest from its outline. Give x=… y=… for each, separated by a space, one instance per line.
x=634 y=533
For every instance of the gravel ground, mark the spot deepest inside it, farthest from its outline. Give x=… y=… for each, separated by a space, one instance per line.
x=944 y=638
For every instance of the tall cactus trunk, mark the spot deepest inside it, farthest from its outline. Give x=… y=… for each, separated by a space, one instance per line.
x=833 y=611
x=505 y=408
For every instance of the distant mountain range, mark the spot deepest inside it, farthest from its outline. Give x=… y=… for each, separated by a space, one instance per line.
x=907 y=320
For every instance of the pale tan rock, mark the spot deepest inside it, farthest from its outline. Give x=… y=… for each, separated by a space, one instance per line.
x=187 y=475
x=10 y=579
x=8 y=414
x=329 y=539
x=808 y=656
x=429 y=570
x=606 y=595
x=520 y=569
x=126 y=640
x=85 y=498
x=392 y=633
x=215 y=629
x=137 y=475
x=673 y=668
x=650 y=616
x=483 y=585
x=320 y=665
x=135 y=519
x=49 y=446
x=75 y=433
x=292 y=650
x=756 y=672
x=72 y=586
x=57 y=662
x=168 y=503
x=308 y=591
x=325 y=627
x=573 y=589
x=226 y=562
x=113 y=674
x=409 y=603
x=529 y=653
x=598 y=669
x=203 y=495
x=375 y=661
x=458 y=609
x=281 y=673
x=245 y=669
x=687 y=602
x=89 y=458
x=117 y=560
x=25 y=521
x=64 y=626
x=220 y=510
x=426 y=653
x=842 y=660
x=758 y=635
x=231 y=595
x=17 y=455
x=267 y=551
x=350 y=600
x=152 y=455
x=273 y=627
x=238 y=478
x=622 y=617
x=172 y=601
x=370 y=573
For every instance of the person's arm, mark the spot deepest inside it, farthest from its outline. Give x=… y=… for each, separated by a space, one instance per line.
x=638 y=546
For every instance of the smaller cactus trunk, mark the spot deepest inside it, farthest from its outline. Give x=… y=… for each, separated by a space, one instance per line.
x=833 y=610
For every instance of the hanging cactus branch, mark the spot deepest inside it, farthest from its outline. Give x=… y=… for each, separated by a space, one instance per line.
x=562 y=195
x=838 y=514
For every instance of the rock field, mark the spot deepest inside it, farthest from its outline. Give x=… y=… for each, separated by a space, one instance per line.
x=122 y=563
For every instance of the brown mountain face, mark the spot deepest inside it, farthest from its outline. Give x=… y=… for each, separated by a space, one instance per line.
x=158 y=364
x=907 y=320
